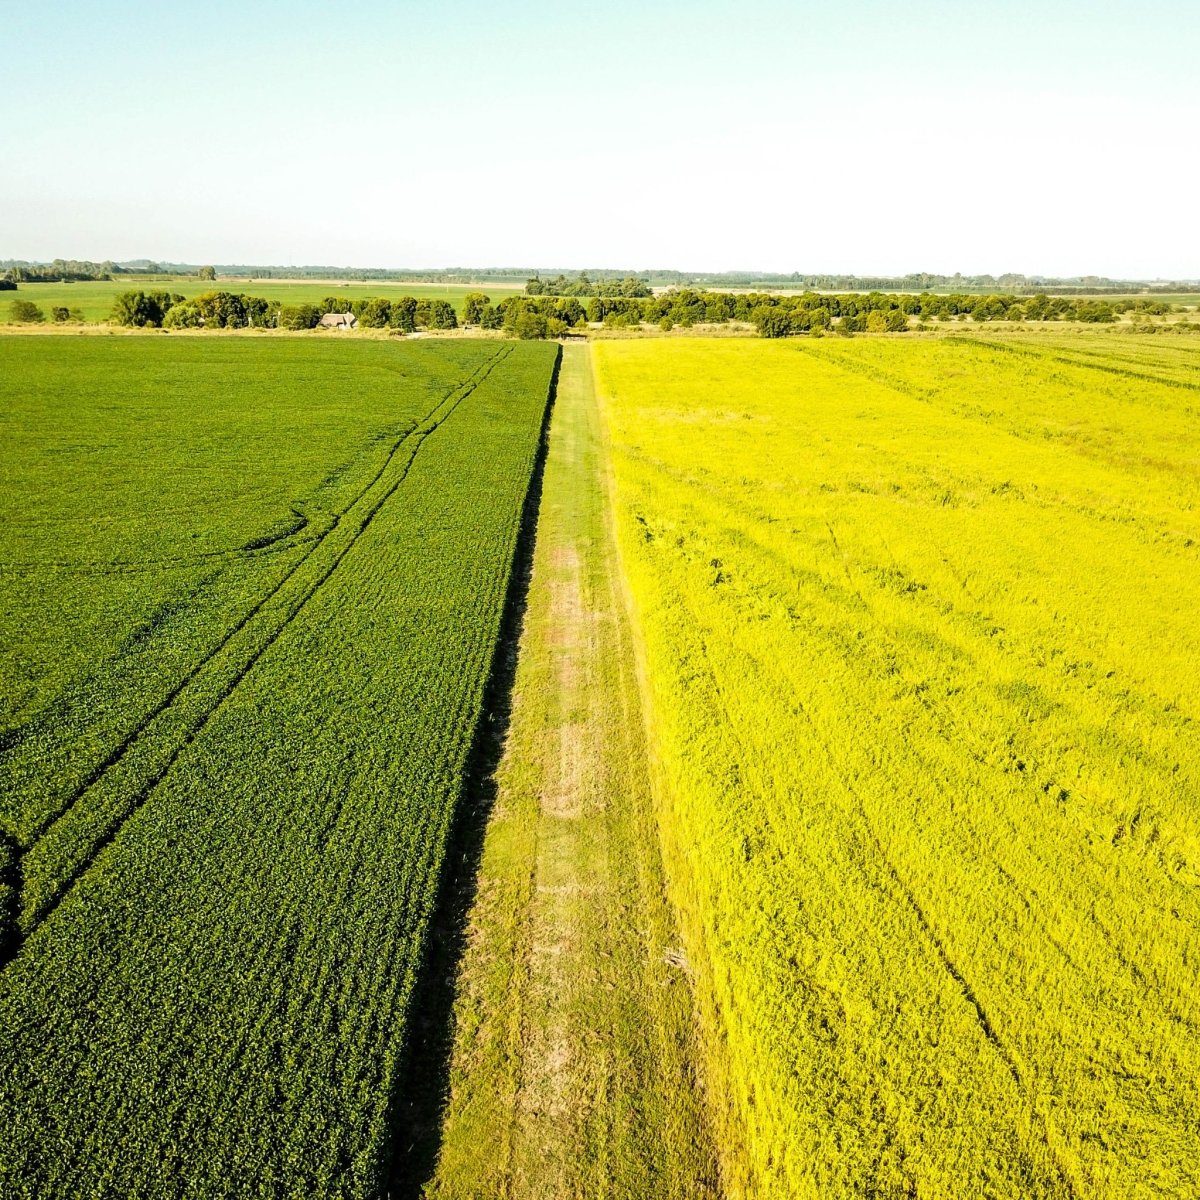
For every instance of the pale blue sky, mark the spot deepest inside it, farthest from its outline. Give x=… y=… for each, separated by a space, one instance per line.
x=1052 y=137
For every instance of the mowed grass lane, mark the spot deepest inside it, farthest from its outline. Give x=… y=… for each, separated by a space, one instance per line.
x=919 y=618
x=573 y=1071
x=214 y=1003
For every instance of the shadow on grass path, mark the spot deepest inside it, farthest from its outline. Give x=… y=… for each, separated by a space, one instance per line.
x=422 y=1090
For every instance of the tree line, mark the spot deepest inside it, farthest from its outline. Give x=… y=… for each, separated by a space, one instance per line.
x=543 y=316
x=780 y=316
x=582 y=285
x=61 y=270
x=234 y=310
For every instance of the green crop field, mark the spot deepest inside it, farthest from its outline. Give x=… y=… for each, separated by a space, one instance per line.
x=919 y=630
x=250 y=595
x=95 y=300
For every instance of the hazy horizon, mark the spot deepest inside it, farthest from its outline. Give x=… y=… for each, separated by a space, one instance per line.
x=508 y=270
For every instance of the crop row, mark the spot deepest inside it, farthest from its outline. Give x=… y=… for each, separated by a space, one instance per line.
x=218 y=1005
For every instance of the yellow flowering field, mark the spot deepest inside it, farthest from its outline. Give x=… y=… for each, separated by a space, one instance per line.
x=920 y=627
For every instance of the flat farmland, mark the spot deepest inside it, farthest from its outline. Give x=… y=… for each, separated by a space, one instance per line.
x=918 y=633
x=95 y=300
x=250 y=595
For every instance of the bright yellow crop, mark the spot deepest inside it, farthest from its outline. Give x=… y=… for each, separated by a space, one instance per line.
x=921 y=622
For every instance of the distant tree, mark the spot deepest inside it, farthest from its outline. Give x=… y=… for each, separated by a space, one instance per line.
x=375 y=314
x=529 y=325
x=441 y=315
x=491 y=318
x=718 y=308
x=207 y=273
x=224 y=310
x=896 y=321
x=772 y=321
x=298 y=316
x=183 y=316
x=402 y=314
x=989 y=308
x=473 y=305
x=25 y=312
x=1094 y=311
x=60 y=314
x=7 y=284
x=570 y=311
x=140 y=309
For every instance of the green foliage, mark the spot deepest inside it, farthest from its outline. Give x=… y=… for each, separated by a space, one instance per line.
x=208 y=274
x=570 y=312
x=183 y=316
x=771 y=322
x=529 y=324
x=373 y=314
x=25 y=312
x=236 y=730
x=61 y=270
x=402 y=315
x=630 y=286
x=777 y=316
x=10 y=896
x=1094 y=312
x=441 y=315
x=473 y=307
x=140 y=309
x=299 y=316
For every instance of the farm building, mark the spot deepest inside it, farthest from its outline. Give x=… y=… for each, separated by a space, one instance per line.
x=339 y=321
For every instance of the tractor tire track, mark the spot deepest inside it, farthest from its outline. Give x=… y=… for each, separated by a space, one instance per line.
x=121 y=749
x=417 y=436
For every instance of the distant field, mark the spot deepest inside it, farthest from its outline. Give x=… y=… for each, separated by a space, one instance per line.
x=920 y=636
x=249 y=600
x=96 y=299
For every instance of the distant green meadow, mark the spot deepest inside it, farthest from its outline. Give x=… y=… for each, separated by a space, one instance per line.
x=95 y=300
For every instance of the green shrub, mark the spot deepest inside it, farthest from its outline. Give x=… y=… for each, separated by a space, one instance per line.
x=299 y=316
x=25 y=312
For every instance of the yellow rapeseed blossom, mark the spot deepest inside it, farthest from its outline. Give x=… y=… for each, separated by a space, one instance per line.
x=922 y=649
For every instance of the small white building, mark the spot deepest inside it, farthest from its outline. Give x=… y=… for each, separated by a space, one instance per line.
x=338 y=321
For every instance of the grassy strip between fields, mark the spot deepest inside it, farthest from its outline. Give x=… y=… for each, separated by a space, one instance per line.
x=572 y=1072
